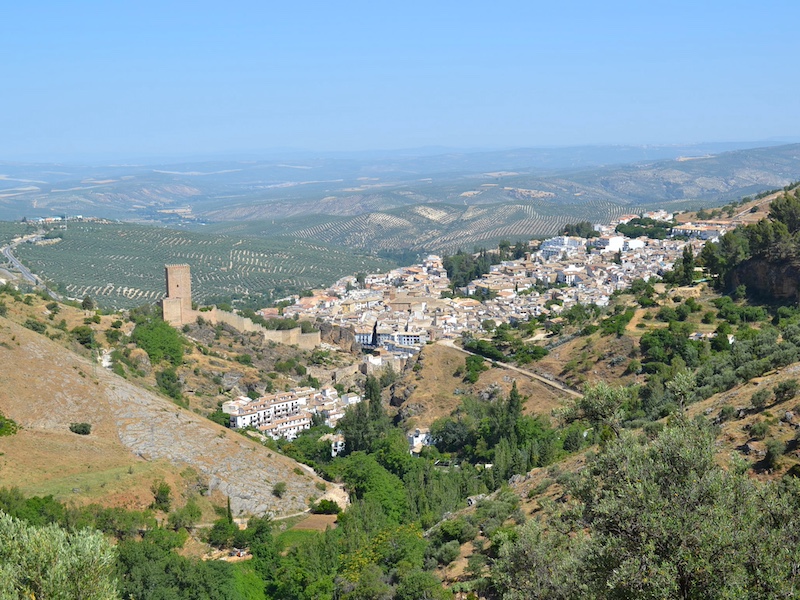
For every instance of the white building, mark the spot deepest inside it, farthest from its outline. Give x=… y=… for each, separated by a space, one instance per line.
x=278 y=415
x=609 y=243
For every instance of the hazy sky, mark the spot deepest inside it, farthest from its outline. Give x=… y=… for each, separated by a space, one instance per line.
x=128 y=79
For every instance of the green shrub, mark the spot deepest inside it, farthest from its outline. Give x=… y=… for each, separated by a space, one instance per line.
x=727 y=412
x=185 y=517
x=786 y=390
x=169 y=383
x=325 y=507
x=84 y=335
x=81 y=428
x=160 y=341
x=161 y=496
x=35 y=325
x=775 y=449
x=759 y=430
x=7 y=426
x=279 y=489
x=447 y=552
x=760 y=398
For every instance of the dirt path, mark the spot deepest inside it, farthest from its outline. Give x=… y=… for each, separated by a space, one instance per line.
x=531 y=374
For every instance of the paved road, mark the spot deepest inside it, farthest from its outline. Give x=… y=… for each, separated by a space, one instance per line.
x=26 y=273
x=531 y=374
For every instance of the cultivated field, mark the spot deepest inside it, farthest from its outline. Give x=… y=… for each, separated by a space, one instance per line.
x=122 y=265
x=443 y=228
x=11 y=229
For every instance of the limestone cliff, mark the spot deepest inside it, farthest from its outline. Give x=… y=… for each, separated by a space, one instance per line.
x=769 y=280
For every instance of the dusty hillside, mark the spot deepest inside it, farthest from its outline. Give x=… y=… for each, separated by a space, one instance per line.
x=434 y=391
x=782 y=419
x=44 y=388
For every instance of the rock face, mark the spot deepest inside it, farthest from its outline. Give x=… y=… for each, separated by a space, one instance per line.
x=58 y=387
x=400 y=392
x=344 y=337
x=778 y=280
x=141 y=361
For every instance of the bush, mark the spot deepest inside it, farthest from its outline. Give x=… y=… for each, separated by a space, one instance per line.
x=35 y=325
x=222 y=533
x=667 y=314
x=458 y=529
x=7 y=426
x=84 y=335
x=786 y=390
x=325 y=507
x=81 y=428
x=185 y=517
x=279 y=489
x=573 y=440
x=161 y=496
x=727 y=412
x=760 y=398
x=775 y=449
x=245 y=359
x=759 y=430
x=169 y=383
x=634 y=367
x=160 y=341
x=447 y=552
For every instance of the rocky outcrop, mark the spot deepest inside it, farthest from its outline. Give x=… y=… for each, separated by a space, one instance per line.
x=344 y=337
x=767 y=279
x=401 y=392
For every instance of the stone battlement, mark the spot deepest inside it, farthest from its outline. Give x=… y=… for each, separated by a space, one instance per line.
x=177 y=308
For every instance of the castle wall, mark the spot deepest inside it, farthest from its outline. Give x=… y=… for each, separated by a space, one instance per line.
x=290 y=337
x=177 y=308
x=172 y=311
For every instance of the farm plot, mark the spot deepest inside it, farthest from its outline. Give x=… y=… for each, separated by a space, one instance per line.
x=442 y=227
x=11 y=229
x=123 y=265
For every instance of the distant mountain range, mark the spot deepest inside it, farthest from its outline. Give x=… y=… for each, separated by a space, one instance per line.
x=430 y=201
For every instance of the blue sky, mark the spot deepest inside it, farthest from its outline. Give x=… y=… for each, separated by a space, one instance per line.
x=131 y=79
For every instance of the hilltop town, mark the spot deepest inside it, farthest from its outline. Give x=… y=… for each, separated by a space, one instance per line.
x=403 y=309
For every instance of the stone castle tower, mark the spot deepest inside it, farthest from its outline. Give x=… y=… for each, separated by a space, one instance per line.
x=177 y=306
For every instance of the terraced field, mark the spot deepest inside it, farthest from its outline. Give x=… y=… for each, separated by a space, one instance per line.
x=122 y=265
x=12 y=229
x=440 y=228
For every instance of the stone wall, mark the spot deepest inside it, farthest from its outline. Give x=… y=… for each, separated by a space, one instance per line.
x=173 y=314
x=177 y=310
x=290 y=337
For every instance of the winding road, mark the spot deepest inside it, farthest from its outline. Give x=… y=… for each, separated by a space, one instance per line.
x=553 y=384
x=27 y=275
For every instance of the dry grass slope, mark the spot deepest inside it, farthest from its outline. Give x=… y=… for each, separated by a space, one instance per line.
x=45 y=387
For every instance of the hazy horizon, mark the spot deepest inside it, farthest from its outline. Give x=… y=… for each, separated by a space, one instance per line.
x=121 y=159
